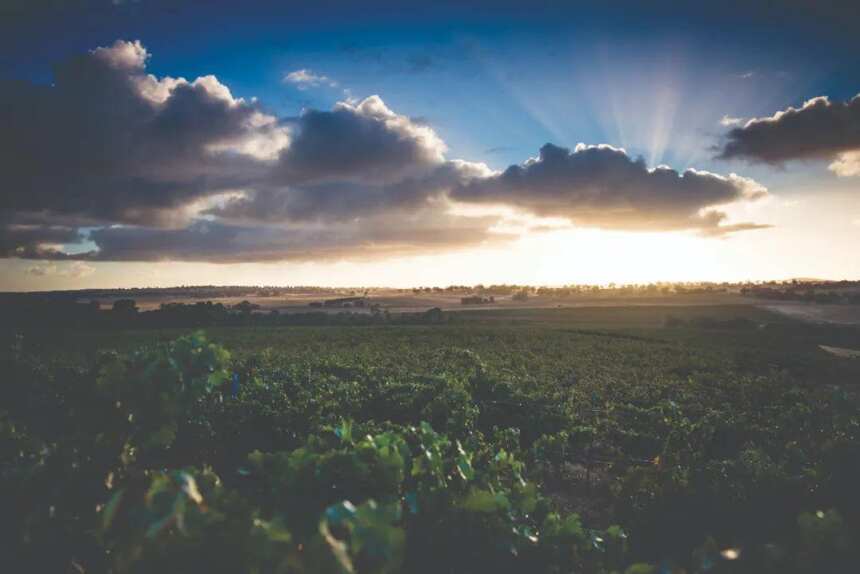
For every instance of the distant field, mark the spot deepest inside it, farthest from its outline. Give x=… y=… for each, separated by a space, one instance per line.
x=838 y=314
x=624 y=315
x=771 y=339
x=397 y=301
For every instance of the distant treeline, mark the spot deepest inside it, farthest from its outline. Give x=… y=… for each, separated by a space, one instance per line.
x=31 y=313
x=183 y=291
x=520 y=292
x=789 y=289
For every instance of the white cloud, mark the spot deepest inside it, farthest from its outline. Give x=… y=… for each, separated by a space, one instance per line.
x=728 y=121
x=263 y=139
x=75 y=270
x=123 y=55
x=42 y=270
x=847 y=164
x=80 y=269
x=304 y=79
x=424 y=135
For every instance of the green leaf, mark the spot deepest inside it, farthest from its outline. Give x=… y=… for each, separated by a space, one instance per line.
x=479 y=500
x=344 y=431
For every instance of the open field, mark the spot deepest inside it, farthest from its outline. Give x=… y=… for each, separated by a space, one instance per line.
x=399 y=301
x=652 y=427
x=396 y=300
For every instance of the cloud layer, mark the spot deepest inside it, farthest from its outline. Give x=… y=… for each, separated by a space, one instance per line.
x=147 y=168
x=601 y=186
x=820 y=129
x=75 y=270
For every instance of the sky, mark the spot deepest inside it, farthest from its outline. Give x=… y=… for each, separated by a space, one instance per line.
x=171 y=142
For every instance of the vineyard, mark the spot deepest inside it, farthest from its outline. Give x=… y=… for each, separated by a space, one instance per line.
x=628 y=440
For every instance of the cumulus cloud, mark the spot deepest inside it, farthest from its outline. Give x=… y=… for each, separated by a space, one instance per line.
x=728 y=121
x=356 y=160
x=167 y=168
x=819 y=129
x=366 y=140
x=304 y=79
x=109 y=143
x=601 y=186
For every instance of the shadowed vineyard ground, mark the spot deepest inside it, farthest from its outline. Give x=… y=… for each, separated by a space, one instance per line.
x=638 y=439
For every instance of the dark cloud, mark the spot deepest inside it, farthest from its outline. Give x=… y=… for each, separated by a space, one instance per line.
x=601 y=186
x=394 y=233
x=366 y=140
x=107 y=142
x=344 y=199
x=356 y=160
x=820 y=129
x=34 y=241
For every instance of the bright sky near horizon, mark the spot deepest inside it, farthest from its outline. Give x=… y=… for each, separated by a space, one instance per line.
x=157 y=143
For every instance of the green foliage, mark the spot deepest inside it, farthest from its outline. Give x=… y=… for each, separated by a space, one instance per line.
x=418 y=449
x=345 y=506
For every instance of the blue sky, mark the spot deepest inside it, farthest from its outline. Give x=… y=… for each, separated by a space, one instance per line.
x=495 y=80
x=454 y=63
